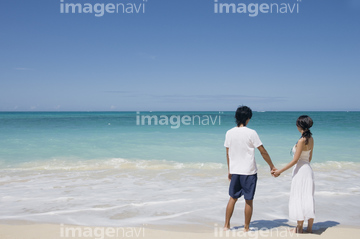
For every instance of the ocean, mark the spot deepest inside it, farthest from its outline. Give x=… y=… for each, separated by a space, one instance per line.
x=165 y=168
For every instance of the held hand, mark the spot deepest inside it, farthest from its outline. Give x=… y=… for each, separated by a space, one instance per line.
x=229 y=176
x=272 y=171
x=276 y=173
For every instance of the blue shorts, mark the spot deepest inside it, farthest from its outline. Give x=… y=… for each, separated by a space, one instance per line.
x=243 y=185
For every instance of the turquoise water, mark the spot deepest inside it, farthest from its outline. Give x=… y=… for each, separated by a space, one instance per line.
x=107 y=169
x=45 y=136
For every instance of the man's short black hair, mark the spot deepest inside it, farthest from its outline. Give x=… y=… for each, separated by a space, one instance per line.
x=243 y=113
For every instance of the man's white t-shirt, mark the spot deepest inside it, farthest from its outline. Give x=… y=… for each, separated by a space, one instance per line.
x=242 y=143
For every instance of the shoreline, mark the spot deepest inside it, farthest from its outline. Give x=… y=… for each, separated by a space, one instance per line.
x=30 y=230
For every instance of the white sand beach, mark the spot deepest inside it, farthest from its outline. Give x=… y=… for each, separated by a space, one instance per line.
x=55 y=231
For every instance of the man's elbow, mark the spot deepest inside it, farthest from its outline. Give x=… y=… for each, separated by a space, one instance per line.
x=262 y=149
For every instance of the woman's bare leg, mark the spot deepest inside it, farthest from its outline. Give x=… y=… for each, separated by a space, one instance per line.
x=310 y=224
x=299 y=227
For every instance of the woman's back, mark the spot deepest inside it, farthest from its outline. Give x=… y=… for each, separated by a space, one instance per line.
x=306 y=153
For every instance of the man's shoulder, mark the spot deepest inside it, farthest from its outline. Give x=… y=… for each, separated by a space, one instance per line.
x=250 y=130
x=241 y=128
x=244 y=130
x=231 y=130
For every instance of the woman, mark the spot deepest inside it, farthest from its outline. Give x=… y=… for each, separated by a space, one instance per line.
x=301 y=203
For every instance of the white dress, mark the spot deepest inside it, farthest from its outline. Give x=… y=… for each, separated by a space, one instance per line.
x=301 y=203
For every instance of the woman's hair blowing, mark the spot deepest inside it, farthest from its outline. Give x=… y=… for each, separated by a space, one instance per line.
x=305 y=123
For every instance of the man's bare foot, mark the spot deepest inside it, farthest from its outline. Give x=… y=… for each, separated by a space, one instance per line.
x=226 y=228
x=308 y=231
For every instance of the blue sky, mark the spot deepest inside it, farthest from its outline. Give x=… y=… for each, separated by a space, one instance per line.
x=179 y=55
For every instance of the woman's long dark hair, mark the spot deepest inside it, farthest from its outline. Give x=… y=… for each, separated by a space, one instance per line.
x=305 y=122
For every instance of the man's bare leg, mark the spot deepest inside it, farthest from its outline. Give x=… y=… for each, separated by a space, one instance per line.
x=248 y=213
x=229 y=211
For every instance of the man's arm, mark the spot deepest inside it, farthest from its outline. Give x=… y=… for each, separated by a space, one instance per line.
x=228 y=159
x=266 y=157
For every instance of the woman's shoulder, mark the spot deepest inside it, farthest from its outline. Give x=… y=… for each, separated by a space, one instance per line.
x=306 y=146
x=302 y=141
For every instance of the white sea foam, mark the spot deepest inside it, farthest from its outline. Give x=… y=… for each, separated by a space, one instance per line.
x=127 y=192
x=114 y=163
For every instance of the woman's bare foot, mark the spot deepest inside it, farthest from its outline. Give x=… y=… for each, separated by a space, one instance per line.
x=308 y=231
x=296 y=230
x=226 y=228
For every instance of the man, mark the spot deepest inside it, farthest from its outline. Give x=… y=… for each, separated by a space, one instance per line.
x=240 y=143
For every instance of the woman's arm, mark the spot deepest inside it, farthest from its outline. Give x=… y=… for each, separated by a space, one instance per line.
x=299 y=149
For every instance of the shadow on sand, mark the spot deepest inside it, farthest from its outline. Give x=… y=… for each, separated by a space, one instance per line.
x=318 y=227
